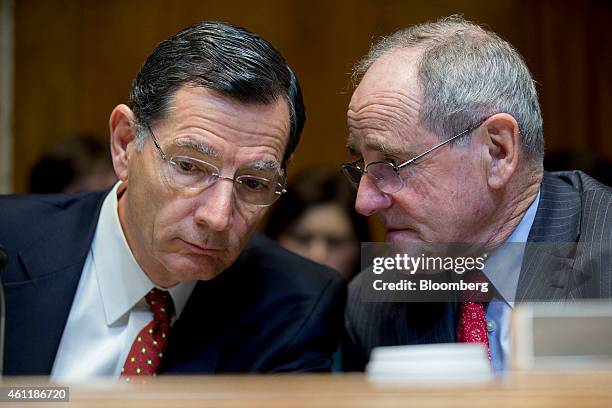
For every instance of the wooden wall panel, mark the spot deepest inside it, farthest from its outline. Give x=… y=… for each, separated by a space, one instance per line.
x=75 y=60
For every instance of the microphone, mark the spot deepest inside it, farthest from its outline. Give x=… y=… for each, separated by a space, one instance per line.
x=2 y=308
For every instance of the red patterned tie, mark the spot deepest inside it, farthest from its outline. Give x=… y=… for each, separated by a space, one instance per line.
x=472 y=325
x=146 y=353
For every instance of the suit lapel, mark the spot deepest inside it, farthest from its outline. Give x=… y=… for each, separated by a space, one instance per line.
x=196 y=340
x=36 y=314
x=37 y=308
x=548 y=263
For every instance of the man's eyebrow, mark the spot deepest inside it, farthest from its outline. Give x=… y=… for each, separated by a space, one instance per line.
x=379 y=145
x=266 y=165
x=387 y=148
x=199 y=147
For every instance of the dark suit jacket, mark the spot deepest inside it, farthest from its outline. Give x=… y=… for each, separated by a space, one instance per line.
x=574 y=213
x=271 y=311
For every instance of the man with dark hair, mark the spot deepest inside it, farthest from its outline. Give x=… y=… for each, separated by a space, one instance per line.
x=164 y=274
x=446 y=126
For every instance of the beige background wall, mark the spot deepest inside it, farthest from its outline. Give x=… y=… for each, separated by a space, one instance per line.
x=74 y=60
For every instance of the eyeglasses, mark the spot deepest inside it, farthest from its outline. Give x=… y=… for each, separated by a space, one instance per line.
x=386 y=175
x=192 y=176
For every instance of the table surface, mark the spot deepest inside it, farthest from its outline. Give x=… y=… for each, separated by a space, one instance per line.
x=588 y=389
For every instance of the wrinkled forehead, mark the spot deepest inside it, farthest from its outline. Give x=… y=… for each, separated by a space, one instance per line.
x=192 y=102
x=210 y=126
x=203 y=112
x=393 y=73
x=384 y=111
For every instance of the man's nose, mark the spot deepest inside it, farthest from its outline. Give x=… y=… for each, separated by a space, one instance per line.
x=216 y=206
x=369 y=198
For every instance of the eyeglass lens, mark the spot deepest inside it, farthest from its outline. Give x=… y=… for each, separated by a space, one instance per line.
x=383 y=175
x=195 y=175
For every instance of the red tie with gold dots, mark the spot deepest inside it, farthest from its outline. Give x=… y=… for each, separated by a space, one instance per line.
x=147 y=351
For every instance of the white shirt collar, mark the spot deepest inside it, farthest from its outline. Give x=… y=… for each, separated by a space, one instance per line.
x=121 y=280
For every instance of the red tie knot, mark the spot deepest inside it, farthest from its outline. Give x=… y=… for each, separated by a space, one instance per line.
x=477 y=278
x=161 y=304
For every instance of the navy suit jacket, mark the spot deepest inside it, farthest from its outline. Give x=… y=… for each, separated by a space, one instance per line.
x=271 y=311
x=574 y=213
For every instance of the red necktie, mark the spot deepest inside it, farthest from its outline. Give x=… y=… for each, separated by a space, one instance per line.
x=472 y=325
x=146 y=353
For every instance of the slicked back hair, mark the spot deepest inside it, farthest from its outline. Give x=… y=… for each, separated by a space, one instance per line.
x=224 y=58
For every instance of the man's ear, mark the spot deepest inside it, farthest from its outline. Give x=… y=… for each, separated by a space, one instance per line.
x=504 y=145
x=122 y=134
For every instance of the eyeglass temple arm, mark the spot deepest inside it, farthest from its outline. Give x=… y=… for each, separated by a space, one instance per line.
x=438 y=145
x=163 y=155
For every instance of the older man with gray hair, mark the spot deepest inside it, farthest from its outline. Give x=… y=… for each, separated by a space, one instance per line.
x=446 y=125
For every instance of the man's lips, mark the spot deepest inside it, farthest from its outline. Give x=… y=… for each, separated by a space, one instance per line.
x=397 y=228
x=203 y=249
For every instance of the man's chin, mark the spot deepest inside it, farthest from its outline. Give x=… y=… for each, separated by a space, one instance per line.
x=192 y=267
x=404 y=236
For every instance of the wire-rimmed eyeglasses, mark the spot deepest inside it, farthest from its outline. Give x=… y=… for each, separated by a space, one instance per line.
x=386 y=175
x=193 y=176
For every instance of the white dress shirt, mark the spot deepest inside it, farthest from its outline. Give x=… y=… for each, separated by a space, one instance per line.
x=108 y=309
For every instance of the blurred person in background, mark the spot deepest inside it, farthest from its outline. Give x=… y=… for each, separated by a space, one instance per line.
x=316 y=219
x=74 y=165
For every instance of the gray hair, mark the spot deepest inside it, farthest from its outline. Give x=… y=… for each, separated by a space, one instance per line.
x=467 y=74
